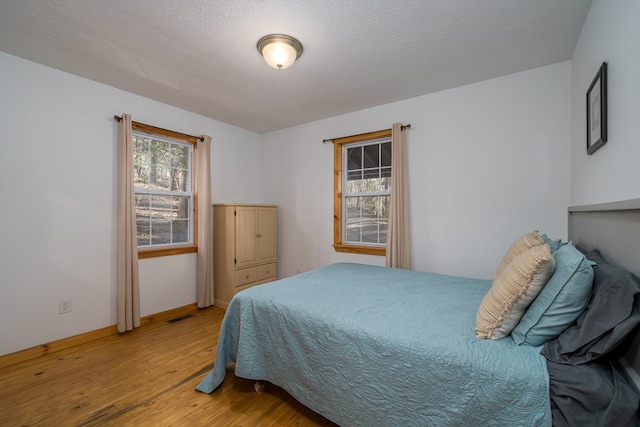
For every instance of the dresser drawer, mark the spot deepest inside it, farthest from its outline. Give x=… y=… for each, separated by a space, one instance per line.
x=266 y=271
x=245 y=276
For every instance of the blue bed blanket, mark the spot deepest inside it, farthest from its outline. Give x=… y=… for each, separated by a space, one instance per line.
x=373 y=346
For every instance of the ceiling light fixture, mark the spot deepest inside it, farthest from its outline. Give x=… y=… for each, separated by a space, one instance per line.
x=279 y=50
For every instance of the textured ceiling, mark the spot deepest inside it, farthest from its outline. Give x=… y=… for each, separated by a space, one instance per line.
x=201 y=55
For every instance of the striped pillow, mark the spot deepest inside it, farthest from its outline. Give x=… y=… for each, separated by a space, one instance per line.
x=522 y=243
x=511 y=293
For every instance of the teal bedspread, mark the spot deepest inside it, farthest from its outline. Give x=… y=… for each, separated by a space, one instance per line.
x=372 y=346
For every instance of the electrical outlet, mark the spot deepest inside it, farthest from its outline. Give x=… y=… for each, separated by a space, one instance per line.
x=64 y=306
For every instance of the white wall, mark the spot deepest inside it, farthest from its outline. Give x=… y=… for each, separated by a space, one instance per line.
x=487 y=162
x=58 y=201
x=611 y=33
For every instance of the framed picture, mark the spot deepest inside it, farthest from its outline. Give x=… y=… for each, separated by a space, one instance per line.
x=597 y=111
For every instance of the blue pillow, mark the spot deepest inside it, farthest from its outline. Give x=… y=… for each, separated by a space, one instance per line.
x=560 y=302
x=554 y=245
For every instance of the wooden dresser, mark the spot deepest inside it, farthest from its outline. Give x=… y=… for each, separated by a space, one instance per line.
x=244 y=248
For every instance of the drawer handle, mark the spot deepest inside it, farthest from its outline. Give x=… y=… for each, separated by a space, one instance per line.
x=247 y=276
x=268 y=271
x=258 y=235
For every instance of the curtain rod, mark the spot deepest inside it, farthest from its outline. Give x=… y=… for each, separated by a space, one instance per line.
x=199 y=138
x=403 y=127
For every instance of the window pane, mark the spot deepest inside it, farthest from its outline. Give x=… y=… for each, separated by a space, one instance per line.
x=370 y=207
x=372 y=156
x=369 y=231
x=384 y=224
x=161 y=207
x=160 y=232
x=180 y=208
x=371 y=173
x=353 y=207
x=353 y=221
x=179 y=179
x=369 y=219
x=159 y=165
x=141 y=162
x=140 y=176
x=179 y=156
x=384 y=207
x=159 y=177
x=372 y=181
x=143 y=206
x=160 y=152
x=385 y=184
x=354 y=158
x=354 y=182
x=144 y=232
x=353 y=230
x=140 y=150
x=180 y=231
x=385 y=154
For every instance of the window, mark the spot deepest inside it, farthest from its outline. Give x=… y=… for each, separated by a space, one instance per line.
x=164 y=192
x=362 y=183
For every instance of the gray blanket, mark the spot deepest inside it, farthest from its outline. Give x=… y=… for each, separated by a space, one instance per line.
x=591 y=394
x=587 y=387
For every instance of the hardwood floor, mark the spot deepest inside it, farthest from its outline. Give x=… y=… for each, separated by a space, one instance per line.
x=142 y=378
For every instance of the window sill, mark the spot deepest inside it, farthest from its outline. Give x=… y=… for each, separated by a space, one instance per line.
x=154 y=253
x=365 y=250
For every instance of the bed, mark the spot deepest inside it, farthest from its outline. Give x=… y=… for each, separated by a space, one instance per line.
x=366 y=345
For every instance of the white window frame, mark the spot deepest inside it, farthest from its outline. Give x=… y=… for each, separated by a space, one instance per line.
x=190 y=194
x=346 y=195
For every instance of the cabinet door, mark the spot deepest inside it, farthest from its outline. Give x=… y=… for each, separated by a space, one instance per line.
x=267 y=244
x=246 y=232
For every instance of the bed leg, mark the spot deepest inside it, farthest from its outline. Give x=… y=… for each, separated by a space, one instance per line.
x=258 y=386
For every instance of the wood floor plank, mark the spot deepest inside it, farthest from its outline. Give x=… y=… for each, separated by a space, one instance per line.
x=142 y=378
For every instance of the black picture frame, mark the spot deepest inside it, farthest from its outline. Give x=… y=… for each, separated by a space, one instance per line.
x=597 y=111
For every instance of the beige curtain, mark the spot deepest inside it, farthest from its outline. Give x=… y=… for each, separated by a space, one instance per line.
x=398 y=247
x=205 y=224
x=128 y=306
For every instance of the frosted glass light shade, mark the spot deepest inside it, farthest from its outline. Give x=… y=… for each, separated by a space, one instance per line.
x=279 y=55
x=279 y=50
